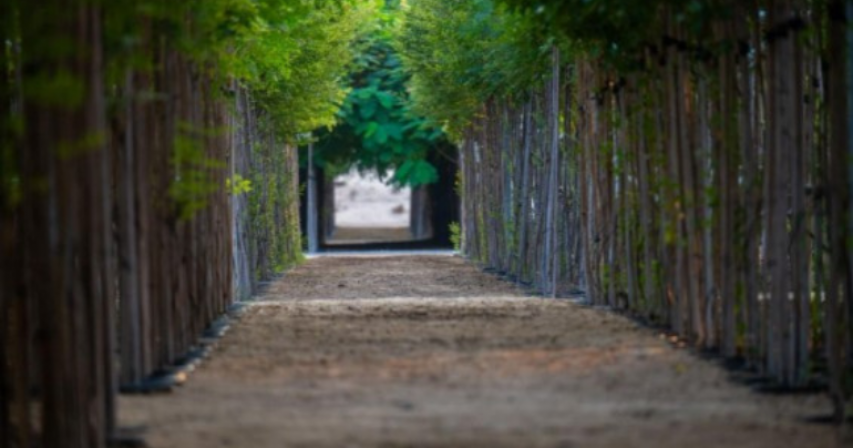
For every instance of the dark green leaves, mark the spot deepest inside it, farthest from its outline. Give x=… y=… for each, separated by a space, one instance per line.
x=416 y=172
x=377 y=127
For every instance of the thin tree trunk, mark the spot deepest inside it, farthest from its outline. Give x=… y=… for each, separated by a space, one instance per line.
x=549 y=282
x=838 y=203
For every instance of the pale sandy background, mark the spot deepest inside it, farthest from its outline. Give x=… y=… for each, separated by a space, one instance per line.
x=362 y=200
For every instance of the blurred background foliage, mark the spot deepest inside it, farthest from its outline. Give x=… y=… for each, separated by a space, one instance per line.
x=377 y=127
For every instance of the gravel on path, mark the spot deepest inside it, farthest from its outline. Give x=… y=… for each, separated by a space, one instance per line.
x=427 y=351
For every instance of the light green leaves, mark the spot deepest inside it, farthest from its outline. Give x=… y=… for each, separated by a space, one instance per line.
x=237 y=185
x=194 y=181
x=463 y=53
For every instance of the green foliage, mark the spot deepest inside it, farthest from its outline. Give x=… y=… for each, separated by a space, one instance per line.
x=456 y=236
x=273 y=212
x=61 y=89
x=617 y=32
x=193 y=183
x=377 y=128
x=464 y=52
x=237 y=185
x=295 y=60
x=290 y=55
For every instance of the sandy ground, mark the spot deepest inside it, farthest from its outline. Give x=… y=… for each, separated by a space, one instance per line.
x=365 y=201
x=368 y=211
x=426 y=351
x=365 y=235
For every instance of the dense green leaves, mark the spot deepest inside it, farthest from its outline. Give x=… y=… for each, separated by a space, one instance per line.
x=298 y=66
x=617 y=32
x=463 y=52
x=291 y=54
x=377 y=128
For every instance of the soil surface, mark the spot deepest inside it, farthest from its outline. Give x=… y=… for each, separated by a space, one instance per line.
x=426 y=351
x=367 y=235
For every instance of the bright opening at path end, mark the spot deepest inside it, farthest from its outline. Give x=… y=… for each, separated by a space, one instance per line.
x=363 y=200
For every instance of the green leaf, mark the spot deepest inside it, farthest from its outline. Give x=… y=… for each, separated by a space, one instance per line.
x=404 y=170
x=367 y=110
x=386 y=99
x=381 y=135
x=394 y=131
x=372 y=128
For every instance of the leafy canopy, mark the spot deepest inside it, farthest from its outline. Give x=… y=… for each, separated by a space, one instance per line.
x=377 y=128
x=292 y=55
x=463 y=52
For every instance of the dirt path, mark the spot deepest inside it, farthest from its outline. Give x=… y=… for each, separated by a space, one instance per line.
x=367 y=235
x=427 y=351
